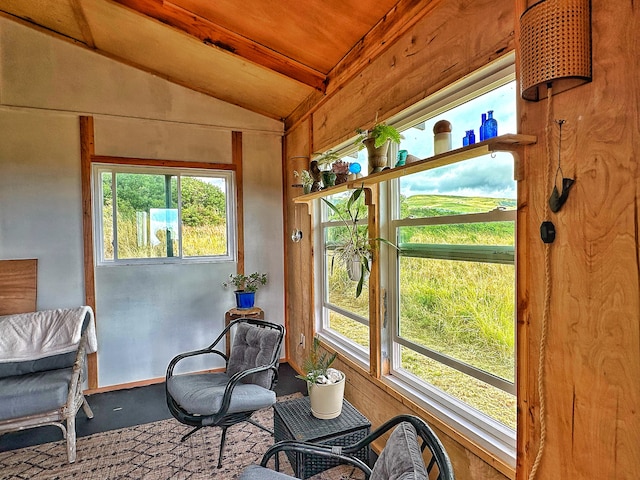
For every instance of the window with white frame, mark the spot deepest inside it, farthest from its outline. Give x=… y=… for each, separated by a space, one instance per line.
x=345 y=292
x=451 y=284
x=148 y=214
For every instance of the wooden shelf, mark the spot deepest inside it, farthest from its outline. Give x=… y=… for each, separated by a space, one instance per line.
x=504 y=143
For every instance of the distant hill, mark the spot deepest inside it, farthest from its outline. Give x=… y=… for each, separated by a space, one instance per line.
x=438 y=205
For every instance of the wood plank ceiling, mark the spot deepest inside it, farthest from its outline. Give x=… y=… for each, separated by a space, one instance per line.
x=269 y=56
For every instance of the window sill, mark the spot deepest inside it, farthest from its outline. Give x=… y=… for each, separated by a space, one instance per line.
x=498 y=454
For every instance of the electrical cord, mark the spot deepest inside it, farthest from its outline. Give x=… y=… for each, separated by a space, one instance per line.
x=547 y=305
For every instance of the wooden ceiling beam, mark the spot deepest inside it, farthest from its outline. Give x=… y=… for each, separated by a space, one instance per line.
x=404 y=15
x=220 y=37
x=81 y=18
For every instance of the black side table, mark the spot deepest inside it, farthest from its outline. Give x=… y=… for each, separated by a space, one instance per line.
x=292 y=420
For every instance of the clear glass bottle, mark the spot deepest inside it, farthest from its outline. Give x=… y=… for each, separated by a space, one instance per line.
x=491 y=126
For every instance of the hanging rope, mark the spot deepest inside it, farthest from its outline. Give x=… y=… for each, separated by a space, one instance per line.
x=542 y=357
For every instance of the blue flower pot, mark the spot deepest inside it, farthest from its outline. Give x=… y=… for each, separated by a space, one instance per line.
x=245 y=299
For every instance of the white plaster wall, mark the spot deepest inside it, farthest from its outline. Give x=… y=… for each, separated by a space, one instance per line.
x=145 y=314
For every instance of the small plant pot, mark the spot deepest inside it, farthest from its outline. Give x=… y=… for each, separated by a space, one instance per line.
x=326 y=399
x=307 y=188
x=245 y=299
x=377 y=156
x=328 y=179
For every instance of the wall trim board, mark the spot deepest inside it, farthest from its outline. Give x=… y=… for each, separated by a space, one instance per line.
x=87 y=150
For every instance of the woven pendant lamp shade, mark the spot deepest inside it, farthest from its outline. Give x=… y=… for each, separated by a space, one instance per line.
x=555 y=42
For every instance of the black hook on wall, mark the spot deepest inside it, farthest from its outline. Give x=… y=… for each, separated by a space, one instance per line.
x=558 y=199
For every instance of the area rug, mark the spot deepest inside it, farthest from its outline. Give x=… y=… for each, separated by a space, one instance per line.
x=153 y=451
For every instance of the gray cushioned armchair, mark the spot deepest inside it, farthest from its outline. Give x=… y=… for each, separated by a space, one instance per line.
x=225 y=398
x=401 y=459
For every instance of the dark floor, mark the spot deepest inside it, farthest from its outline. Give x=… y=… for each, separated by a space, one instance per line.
x=124 y=408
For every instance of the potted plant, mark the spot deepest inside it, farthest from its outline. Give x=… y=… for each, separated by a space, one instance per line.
x=341 y=169
x=324 y=162
x=377 y=142
x=325 y=384
x=246 y=287
x=305 y=178
x=352 y=245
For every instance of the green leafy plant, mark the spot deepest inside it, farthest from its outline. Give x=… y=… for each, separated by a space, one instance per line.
x=305 y=177
x=248 y=283
x=317 y=364
x=353 y=242
x=381 y=132
x=326 y=158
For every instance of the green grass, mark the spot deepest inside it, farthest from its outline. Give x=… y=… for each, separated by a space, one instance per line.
x=462 y=309
x=205 y=240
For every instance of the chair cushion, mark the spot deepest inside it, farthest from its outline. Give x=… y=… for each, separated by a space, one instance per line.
x=401 y=458
x=252 y=347
x=202 y=394
x=33 y=393
x=53 y=362
x=256 y=472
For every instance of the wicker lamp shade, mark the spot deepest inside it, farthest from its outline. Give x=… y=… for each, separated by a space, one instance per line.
x=555 y=42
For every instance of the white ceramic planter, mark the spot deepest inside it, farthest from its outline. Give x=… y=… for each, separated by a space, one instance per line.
x=326 y=399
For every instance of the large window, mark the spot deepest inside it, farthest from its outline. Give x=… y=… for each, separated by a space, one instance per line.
x=448 y=292
x=455 y=326
x=149 y=214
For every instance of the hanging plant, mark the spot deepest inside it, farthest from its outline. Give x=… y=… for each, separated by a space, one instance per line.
x=353 y=243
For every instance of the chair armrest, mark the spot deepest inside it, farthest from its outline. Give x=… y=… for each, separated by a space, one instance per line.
x=182 y=356
x=233 y=381
x=314 y=449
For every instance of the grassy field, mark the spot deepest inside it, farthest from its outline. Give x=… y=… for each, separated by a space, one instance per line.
x=465 y=310
x=196 y=241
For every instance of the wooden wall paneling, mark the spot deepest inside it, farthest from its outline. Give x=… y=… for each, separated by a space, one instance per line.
x=593 y=359
x=18 y=286
x=456 y=38
x=299 y=256
x=87 y=150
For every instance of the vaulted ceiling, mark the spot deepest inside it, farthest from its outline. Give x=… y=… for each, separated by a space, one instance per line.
x=274 y=57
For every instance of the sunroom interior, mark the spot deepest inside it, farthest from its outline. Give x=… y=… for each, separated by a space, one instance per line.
x=507 y=319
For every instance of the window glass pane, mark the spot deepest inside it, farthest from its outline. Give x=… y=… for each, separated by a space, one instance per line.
x=350 y=328
x=418 y=140
x=477 y=185
x=346 y=311
x=464 y=310
x=146 y=215
x=359 y=209
x=107 y=216
x=204 y=216
x=484 y=233
x=342 y=283
x=489 y=400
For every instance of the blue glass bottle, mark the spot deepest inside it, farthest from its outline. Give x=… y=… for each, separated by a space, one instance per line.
x=482 y=127
x=472 y=137
x=491 y=126
x=465 y=140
